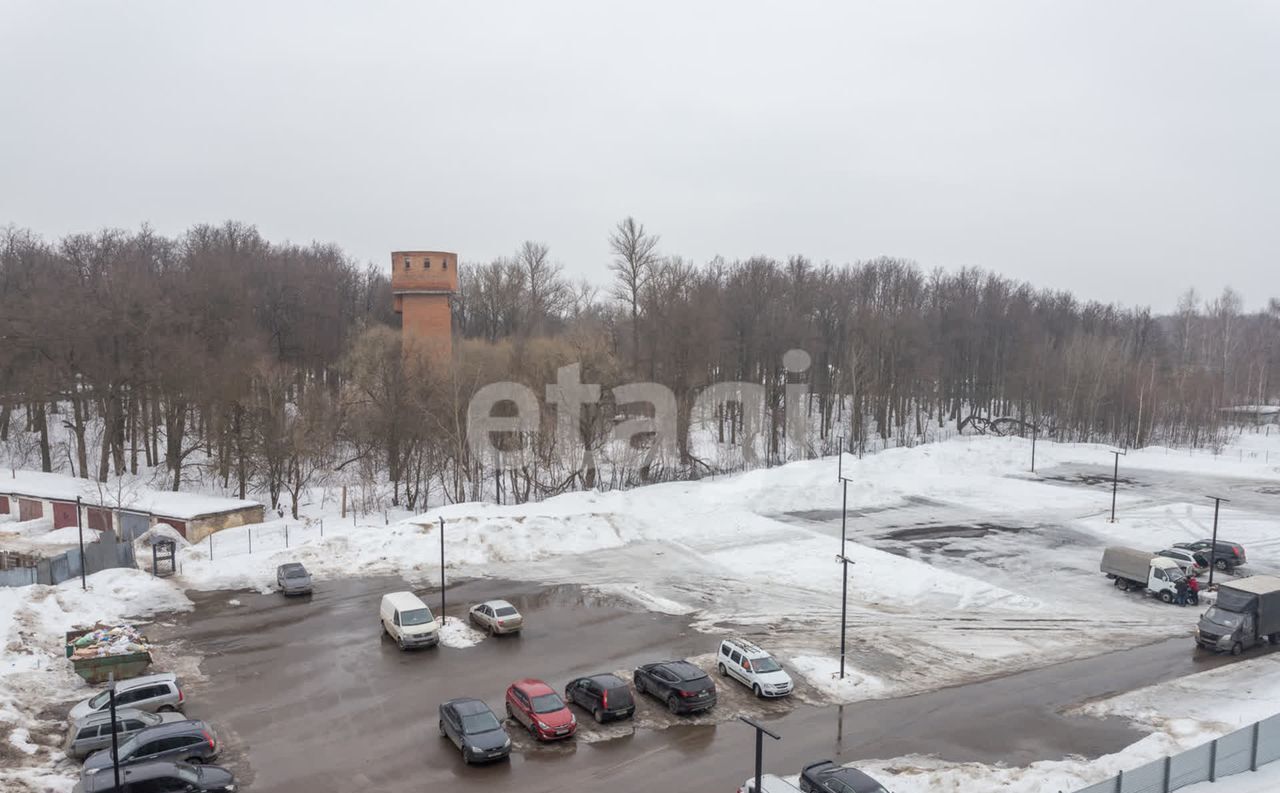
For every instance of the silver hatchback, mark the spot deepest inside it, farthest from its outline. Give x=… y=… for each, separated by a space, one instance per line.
x=93 y=732
x=293 y=579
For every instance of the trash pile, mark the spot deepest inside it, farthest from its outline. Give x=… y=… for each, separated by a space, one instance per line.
x=106 y=640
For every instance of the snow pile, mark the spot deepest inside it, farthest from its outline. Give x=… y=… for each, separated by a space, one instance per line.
x=458 y=634
x=824 y=674
x=35 y=672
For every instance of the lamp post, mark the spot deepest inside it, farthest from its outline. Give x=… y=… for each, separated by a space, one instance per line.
x=80 y=528
x=761 y=731
x=442 y=572
x=845 y=562
x=1115 y=481
x=1213 y=547
x=115 y=733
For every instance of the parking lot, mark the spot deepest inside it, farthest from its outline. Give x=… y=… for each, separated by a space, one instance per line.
x=309 y=697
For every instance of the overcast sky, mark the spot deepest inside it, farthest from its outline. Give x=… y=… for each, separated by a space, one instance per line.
x=1123 y=150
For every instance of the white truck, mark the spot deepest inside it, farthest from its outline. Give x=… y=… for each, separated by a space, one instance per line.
x=1133 y=569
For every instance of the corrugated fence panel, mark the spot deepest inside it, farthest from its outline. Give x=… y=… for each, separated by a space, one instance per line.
x=1235 y=751
x=1269 y=740
x=1190 y=767
x=1144 y=779
x=1105 y=786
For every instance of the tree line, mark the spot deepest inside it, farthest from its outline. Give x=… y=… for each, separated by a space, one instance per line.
x=220 y=358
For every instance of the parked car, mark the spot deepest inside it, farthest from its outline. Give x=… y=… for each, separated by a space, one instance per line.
x=684 y=687
x=825 y=776
x=160 y=777
x=1227 y=556
x=408 y=620
x=497 y=616
x=90 y=733
x=606 y=696
x=152 y=693
x=768 y=784
x=474 y=730
x=293 y=579
x=1191 y=562
x=534 y=704
x=753 y=667
x=179 y=742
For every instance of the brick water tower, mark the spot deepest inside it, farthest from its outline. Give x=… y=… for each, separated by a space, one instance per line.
x=421 y=284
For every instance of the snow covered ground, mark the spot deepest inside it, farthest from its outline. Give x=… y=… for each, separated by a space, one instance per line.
x=966 y=565
x=35 y=676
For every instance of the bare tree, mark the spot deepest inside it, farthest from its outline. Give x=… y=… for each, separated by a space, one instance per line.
x=635 y=253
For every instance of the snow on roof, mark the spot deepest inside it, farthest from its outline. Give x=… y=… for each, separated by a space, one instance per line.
x=168 y=504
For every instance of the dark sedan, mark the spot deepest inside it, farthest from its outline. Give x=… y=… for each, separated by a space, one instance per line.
x=825 y=776
x=605 y=696
x=474 y=730
x=160 y=776
x=178 y=741
x=684 y=687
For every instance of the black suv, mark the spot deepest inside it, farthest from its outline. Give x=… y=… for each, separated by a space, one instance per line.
x=160 y=777
x=825 y=776
x=684 y=687
x=1226 y=555
x=474 y=730
x=606 y=696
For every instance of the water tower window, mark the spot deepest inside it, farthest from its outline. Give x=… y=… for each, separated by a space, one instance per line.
x=406 y=263
x=426 y=264
x=444 y=264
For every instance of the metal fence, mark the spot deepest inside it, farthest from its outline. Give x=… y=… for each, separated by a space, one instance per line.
x=103 y=553
x=1245 y=749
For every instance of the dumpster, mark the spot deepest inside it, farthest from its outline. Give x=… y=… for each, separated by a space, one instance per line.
x=99 y=652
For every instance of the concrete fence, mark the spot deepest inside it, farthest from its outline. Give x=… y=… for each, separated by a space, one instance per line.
x=1245 y=749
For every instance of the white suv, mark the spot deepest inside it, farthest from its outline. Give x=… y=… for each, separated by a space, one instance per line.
x=753 y=667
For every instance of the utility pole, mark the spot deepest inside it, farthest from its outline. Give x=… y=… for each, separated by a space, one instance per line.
x=80 y=528
x=1115 y=481
x=1213 y=548
x=115 y=728
x=1035 y=430
x=442 y=572
x=845 y=562
x=761 y=731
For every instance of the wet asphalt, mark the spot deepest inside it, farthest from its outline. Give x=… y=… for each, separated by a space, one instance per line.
x=309 y=696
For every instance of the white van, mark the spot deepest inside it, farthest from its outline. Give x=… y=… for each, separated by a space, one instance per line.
x=408 y=620
x=753 y=667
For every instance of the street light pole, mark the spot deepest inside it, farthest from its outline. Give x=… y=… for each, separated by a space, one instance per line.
x=442 y=572
x=1213 y=548
x=1115 y=482
x=115 y=729
x=761 y=731
x=844 y=608
x=80 y=529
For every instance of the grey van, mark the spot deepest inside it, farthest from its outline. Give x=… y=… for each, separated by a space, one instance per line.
x=93 y=732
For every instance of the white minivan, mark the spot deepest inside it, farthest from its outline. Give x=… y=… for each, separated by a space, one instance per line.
x=408 y=620
x=753 y=667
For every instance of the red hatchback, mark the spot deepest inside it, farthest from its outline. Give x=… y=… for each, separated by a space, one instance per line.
x=539 y=708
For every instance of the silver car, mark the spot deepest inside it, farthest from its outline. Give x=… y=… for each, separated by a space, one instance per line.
x=93 y=732
x=293 y=579
x=497 y=616
x=149 y=692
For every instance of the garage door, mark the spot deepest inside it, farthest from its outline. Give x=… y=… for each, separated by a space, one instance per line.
x=4 y=504
x=180 y=525
x=29 y=509
x=133 y=524
x=97 y=518
x=64 y=514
